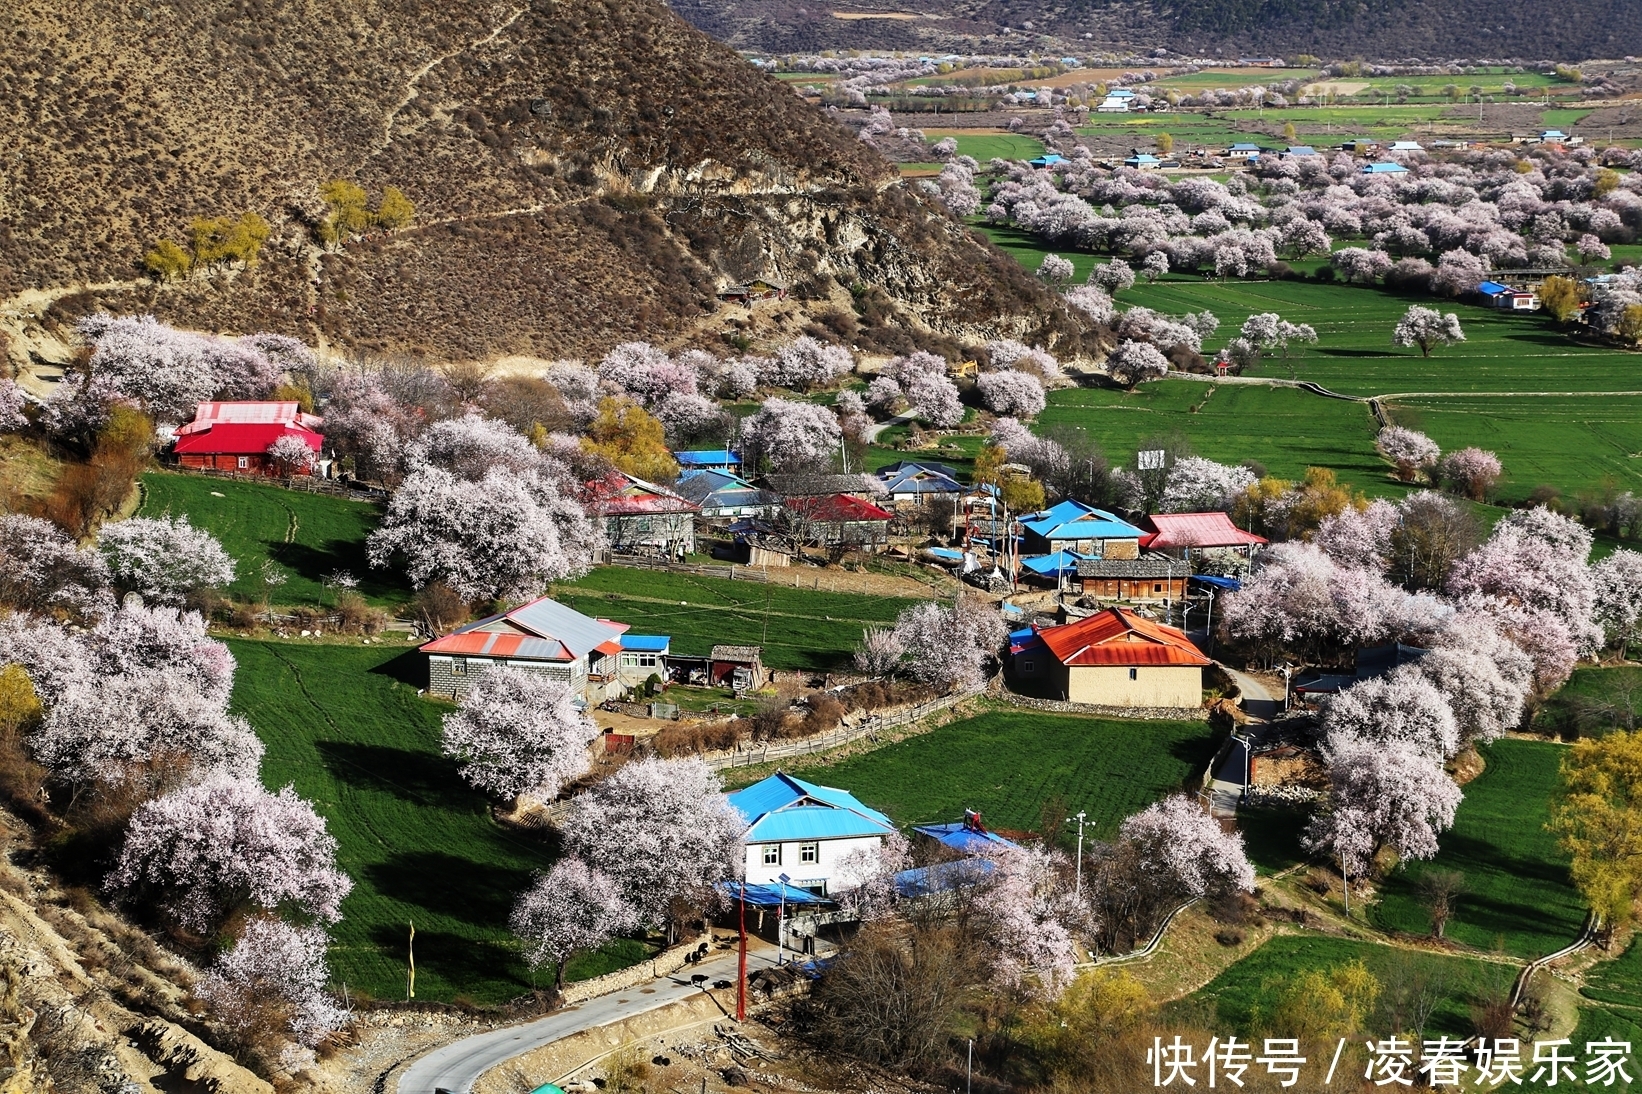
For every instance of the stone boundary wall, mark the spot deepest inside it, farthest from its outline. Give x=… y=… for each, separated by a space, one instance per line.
x=1060 y=706
x=664 y=963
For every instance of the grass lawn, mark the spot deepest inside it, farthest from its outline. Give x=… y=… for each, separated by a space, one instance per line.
x=989 y=146
x=1007 y=763
x=1247 y=992
x=798 y=628
x=306 y=536
x=419 y=845
x=1518 y=899
x=1593 y=701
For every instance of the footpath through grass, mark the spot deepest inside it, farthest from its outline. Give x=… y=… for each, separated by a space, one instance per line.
x=306 y=537
x=1007 y=763
x=1518 y=899
x=798 y=628
x=342 y=726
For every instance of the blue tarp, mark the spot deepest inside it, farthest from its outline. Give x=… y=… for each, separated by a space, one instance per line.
x=1228 y=584
x=770 y=896
x=945 y=554
x=925 y=880
x=961 y=837
x=1055 y=565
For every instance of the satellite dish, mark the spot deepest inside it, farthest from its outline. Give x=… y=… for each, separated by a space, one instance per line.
x=132 y=600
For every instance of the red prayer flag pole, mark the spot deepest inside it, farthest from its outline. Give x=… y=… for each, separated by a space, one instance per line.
x=741 y=977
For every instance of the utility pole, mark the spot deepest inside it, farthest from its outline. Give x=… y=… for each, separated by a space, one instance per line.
x=1078 y=885
x=741 y=969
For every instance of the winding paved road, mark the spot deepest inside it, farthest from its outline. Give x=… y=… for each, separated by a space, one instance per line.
x=457 y=1066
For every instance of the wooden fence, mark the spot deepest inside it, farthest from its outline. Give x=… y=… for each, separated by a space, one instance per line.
x=753 y=754
x=302 y=484
x=728 y=573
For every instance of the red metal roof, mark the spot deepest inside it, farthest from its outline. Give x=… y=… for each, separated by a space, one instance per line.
x=267 y=412
x=837 y=507
x=1120 y=638
x=619 y=495
x=550 y=632
x=242 y=438
x=1166 y=530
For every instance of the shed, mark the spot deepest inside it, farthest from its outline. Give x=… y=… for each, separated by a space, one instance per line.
x=1116 y=658
x=1144 y=161
x=1048 y=159
x=967 y=837
x=740 y=668
x=1149 y=579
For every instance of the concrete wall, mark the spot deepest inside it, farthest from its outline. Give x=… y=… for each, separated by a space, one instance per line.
x=1152 y=686
x=445 y=681
x=832 y=852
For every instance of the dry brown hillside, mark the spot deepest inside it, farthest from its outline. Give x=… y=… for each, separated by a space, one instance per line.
x=583 y=172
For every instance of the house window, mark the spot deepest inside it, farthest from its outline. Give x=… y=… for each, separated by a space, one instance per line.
x=809 y=852
x=243 y=462
x=639 y=660
x=1157 y=587
x=458 y=666
x=772 y=854
x=1028 y=666
x=1134 y=674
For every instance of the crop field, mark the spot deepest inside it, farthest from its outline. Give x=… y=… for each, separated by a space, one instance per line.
x=1188 y=130
x=1210 y=79
x=1246 y=994
x=1285 y=429
x=420 y=846
x=798 y=628
x=988 y=145
x=1518 y=899
x=1007 y=763
x=305 y=536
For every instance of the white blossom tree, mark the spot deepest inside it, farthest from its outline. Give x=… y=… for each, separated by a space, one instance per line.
x=883 y=395
x=1155 y=266
x=291 y=455
x=1381 y=796
x=1055 y=271
x=572 y=908
x=791 y=435
x=1016 y=394
x=1402 y=710
x=1359 y=538
x=164 y=559
x=879 y=652
x=42 y=569
x=506 y=535
x=664 y=831
x=1092 y=301
x=1427 y=328
x=1619 y=597
x=1483 y=676
x=1536 y=559
x=1112 y=277
x=948 y=647
x=1187 y=846
x=1413 y=452
x=1134 y=362
x=805 y=364
x=518 y=734
x=275 y=973
x=224 y=844
x=12 y=402
x=1198 y=485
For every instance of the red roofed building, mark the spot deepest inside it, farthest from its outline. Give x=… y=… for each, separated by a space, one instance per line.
x=641 y=518
x=1184 y=531
x=542 y=636
x=838 y=520
x=239 y=446
x=1113 y=658
x=207 y=415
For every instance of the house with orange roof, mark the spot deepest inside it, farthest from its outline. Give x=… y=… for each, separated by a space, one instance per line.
x=1114 y=658
x=542 y=636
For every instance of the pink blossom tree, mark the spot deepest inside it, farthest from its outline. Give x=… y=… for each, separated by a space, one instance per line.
x=664 y=831
x=366 y=424
x=864 y=879
x=1536 y=559
x=164 y=369
x=518 y=735
x=291 y=455
x=1188 y=848
x=1360 y=264
x=572 y=908
x=883 y=395
x=646 y=373
x=1471 y=472
x=1459 y=272
x=42 y=569
x=1359 y=538
x=274 y=971
x=688 y=417
x=1402 y=710
x=166 y=560
x=1427 y=328
x=1112 y=277
x=224 y=844
x=1381 y=796
x=1092 y=301
x=805 y=364
x=1619 y=597
x=1134 y=362
x=1024 y=920
x=1413 y=452
x=1055 y=270
x=933 y=397
x=879 y=652
x=1483 y=676
x=788 y=435
x=12 y=402
x=505 y=535
x=1017 y=394
x=948 y=647
x=469 y=446
x=1198 y=485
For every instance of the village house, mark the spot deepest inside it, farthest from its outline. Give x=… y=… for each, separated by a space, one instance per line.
x=838 y=520
x=1113 y=658
x=915 y=484
x=740 y=668
x=236 y=436
x=1384 y=169
x=758 y=288
x=1507 y=298
x=641 y=518
x=542 y=636
x=642 y=656
x=721 y=495
x=804 y=831
x=708 y=459
x=1071 y=525
x=1178 y=534
x=1150 y=579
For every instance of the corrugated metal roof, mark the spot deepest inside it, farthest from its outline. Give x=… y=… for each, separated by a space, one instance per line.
x=1075 y=520
x=1169 y=530
x=784 y=808
x=645 y=643
x=623 y=495
x=580 y=634
x=555 y=633
x=840 y=507
x=1120 y=638
x=807 y=822
x=242 y=438
x=961 y=837
x=698 y=457
x=919 y=480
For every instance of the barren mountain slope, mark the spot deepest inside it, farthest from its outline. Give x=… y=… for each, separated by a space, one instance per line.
x=582 y=172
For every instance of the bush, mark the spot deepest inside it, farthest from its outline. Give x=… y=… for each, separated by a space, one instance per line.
x=825 y=714
x=1229 y=936
x=1324 y=273
x=354 y=616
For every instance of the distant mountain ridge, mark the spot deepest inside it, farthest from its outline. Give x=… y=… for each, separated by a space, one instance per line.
x=1432 y=30
x=583 y=173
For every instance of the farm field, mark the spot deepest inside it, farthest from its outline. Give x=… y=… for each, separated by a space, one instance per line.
x=419 y=845
x=988 y=145
x=1007 y=763
x=1246 y=993
x=305 y=536
x=1518 y=898
x=798 y=628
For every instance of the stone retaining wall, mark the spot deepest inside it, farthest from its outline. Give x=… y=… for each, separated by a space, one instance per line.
x=1060 y=706
x=664 y=963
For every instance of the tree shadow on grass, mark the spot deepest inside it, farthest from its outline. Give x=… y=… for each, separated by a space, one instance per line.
x=1336 y=351
x=480 y=893
x=318 y=563
x=1197 y=749
x=424 y=778
x=468 y=966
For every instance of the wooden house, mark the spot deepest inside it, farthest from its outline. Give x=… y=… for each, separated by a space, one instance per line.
x=236 y=436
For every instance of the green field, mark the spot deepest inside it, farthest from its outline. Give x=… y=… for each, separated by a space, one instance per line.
x=798 y=628
x=1007 y=763
x=1518 y=898
x=990 y=146
x=306 y=536
x=1244 y=996
x=1592 y=702
x=420 y=846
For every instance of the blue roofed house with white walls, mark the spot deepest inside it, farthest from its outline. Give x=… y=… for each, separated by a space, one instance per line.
x=804 y=831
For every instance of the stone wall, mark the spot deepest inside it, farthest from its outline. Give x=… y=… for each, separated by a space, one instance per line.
x=1060 y=706
x=664 y=963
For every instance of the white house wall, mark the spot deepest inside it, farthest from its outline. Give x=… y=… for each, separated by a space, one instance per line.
x=832 y=852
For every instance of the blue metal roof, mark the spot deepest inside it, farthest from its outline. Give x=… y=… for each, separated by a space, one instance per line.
x=1492 y=288
x=769 y=896
x=645 y=643
x=1384 y=169
x=943 y=876
x=708 y=488
x=706 y=457
x=784 y=808
x=1243 y=146
x=920 y=481
x=1053 y=565
x=1074 y=520
x=1230 y=584
x=960 y=837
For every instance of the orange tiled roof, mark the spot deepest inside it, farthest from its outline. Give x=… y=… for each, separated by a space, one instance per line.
x=1120 y=638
